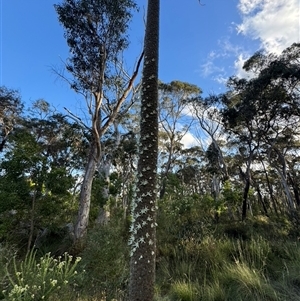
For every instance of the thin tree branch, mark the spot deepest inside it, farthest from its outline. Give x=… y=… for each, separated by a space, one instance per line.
x=76 y=118
x=123 y=96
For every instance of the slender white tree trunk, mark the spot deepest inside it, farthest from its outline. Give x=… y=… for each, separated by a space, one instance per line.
x=85 y=197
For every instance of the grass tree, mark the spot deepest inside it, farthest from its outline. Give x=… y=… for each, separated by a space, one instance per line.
x=143 y=228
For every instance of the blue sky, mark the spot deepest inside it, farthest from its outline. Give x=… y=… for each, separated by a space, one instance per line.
x=202 y=45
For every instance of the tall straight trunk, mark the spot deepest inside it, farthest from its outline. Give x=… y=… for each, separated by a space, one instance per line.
x=270 y=189
x=166 y=171
x=85 y=197
x=295 y=188
x=245 y=197
x=260 y=198
x=143 y=228
x=290 y=202
x=222 y=163
x=32 y=218
x=247 y=178
x=282 y=171
x=95 y=152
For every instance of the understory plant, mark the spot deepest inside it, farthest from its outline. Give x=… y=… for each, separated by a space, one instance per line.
x=37 y=278
x=106 y=261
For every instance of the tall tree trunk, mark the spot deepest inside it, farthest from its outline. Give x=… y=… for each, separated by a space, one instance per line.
x=85 y=197
x=290 y=202
x=260 y=198
x=32 y=218
x=247 y=178
x=282 y=171
x=98 y=130
x=245 y=197
x=295 y=188
x=270 y=189
x=166 y=171
x=143 y=228
x=222 y=163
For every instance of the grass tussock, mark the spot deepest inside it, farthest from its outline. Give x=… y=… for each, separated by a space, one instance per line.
x=249 y=261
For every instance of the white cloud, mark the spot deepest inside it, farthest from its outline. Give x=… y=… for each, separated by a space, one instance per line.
x=275 y=23
x=229 y=48
x=247 y=6
x=221 y=79
x=209 y=67
x=188 y=140
x=238 y=67
x=215 y=58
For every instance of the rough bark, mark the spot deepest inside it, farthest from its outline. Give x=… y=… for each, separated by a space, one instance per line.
x=143 y=228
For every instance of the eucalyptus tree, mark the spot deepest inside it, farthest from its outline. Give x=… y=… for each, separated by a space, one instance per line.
x=242 y=123
x=208 y=115
x=10 y=110
x=143 y=228
x=174 y=122
x=258 y=111
x=278 y=84
x=96 y=33
x=38 y=172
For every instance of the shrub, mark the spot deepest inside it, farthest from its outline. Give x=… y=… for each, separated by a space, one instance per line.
x=37 y=279
x=106 y=260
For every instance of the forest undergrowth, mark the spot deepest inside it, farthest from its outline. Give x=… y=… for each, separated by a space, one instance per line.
x=197 y=259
